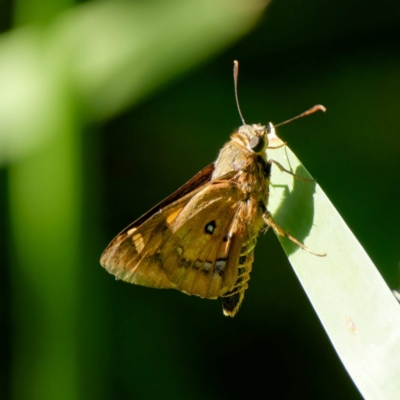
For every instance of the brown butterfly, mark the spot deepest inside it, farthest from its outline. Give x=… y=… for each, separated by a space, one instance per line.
x=200 y=240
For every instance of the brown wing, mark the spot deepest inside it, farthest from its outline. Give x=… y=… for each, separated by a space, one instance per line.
x=191 y=241
x=200 y=179
x=132 y=255
x=201 y=250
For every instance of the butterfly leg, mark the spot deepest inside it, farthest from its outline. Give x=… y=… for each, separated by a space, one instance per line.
x=267 y=217
x=283 y=144
x=265 y=230
x=283 y=169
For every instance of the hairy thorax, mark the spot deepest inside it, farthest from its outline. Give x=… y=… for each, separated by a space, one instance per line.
x=251 y=172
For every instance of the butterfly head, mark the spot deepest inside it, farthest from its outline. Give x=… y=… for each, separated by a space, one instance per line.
x=255 y=137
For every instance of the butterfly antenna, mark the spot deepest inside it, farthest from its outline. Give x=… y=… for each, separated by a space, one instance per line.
x=312 y=110
x=235 y=80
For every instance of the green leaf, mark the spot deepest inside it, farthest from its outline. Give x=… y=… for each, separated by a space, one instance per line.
x=120 y=51
x=89 y=63
x=99 y=58
x=358 y=311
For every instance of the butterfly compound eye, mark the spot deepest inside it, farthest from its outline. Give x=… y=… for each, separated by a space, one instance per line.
x=257 y=144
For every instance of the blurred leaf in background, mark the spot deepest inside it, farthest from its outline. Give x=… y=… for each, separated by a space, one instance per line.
x=61 y=69
x=83 y=163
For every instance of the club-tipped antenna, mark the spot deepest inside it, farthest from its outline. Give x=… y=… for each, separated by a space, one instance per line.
x=312 y=110
x=235 y=80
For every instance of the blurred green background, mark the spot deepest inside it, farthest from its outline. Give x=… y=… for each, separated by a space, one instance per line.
x=108 y=107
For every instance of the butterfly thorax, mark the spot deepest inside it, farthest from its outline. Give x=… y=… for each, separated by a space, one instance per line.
x=243 y=161
x=246 y=155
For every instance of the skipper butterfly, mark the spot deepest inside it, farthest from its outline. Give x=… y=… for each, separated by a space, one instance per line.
x=201 y=239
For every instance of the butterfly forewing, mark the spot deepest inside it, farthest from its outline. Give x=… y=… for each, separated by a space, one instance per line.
x=132 y=255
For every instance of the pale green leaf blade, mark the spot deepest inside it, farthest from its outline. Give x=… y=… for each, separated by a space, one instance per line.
x=357 y=309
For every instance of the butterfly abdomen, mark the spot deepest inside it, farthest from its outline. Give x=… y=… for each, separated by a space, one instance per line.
x=232 y=300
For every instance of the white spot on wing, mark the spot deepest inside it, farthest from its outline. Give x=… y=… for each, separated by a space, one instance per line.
x=207 y=266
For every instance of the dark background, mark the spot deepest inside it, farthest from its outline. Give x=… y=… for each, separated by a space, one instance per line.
x=138 y=343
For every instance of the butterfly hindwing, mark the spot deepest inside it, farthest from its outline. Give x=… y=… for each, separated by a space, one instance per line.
x=202 y=251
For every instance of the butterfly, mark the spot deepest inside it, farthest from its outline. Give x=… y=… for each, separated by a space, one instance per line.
x=201 y=239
